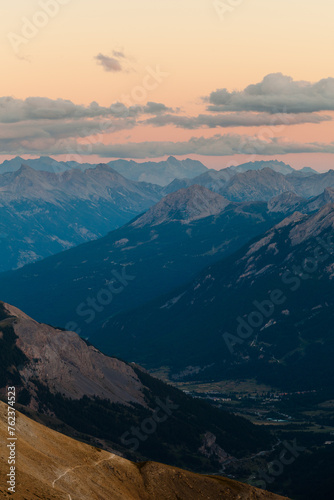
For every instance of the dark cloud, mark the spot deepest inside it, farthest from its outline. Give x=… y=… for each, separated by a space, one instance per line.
x=110 y=64
x=156 y=108
x=242 y=119
x=276 y=93
x=58 y=129
x=40 y=125
x=151 y=108
x=40 y=108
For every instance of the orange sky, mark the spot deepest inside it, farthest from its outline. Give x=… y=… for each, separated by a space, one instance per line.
x=200 y=47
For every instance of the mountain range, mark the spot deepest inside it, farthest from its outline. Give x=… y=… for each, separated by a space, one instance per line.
x=48 y=206
x=44 y=163
x=265 y=311
x=258 y=183
x=214 y=281
x=42 y=213
x=161 y=173
x=160 y=250
x=156 y=252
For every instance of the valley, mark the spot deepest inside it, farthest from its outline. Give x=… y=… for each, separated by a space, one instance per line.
x=302 y=418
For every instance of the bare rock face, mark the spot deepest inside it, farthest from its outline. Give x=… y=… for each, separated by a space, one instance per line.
x=256 y=185
x=66 y=364
x=210 y=447
x=285 y=202
x=312 y=185
x=264 y=243
x=323 y=199
x=314 y=225
x=186 y=205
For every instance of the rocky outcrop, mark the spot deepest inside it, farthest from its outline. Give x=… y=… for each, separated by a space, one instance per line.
x=210 y=448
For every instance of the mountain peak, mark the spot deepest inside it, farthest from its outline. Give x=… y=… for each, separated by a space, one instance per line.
x=103 y=167
x=25 y=171
x=275 y=165
x=256 y=185
x=308 y=170
x=25 y=168
x=172 y=159
x=185 y=205
x=17 y=158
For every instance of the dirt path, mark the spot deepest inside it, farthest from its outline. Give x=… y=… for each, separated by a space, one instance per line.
x=67 y=471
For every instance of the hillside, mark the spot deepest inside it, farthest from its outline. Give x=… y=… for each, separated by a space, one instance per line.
x=162 y=249
x=288 y=346
x=51 y=465
x=256 y=185
x=72 y=387
x=193 y=203
x=43 y=213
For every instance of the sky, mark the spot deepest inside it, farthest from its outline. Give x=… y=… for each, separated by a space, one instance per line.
x=221 y=81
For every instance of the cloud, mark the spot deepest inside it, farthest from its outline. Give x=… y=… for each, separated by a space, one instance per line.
x=42 y=108
x=118 y=53
x=156 y=108
x=276 y=93
x=110 y=64
x=39 y=125
x=241 y=119
x=58 y=129
x=46 y=121
x=218 y=145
